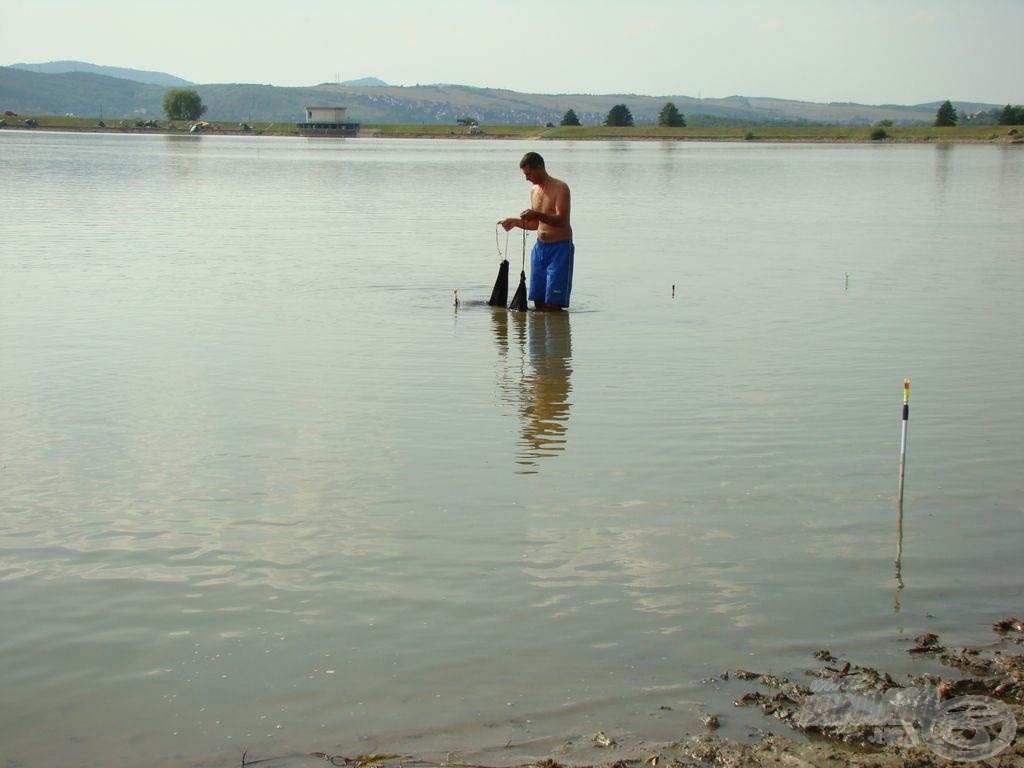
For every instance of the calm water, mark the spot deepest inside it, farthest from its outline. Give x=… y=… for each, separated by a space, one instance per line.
x=262 y=487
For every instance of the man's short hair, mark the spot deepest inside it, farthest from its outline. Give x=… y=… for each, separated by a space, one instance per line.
x=531 y=159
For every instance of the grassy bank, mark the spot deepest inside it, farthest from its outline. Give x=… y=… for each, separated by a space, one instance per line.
x=823 y=134
x=828 y=133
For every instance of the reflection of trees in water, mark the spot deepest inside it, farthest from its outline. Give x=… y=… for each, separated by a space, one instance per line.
x=536 y=352
x=943 y=153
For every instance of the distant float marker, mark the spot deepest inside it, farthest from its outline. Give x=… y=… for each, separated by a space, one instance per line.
x=903 y=437
x=847 y=286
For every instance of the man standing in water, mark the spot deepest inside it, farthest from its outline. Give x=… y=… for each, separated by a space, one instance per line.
x=552 y=257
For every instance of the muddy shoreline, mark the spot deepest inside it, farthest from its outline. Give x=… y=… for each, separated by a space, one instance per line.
x=836 y=713
x=861 y=716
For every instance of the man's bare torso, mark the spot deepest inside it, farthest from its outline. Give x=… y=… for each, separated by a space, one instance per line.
x=551 y=197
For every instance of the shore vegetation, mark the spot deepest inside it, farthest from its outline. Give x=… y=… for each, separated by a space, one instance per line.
x=810 y=133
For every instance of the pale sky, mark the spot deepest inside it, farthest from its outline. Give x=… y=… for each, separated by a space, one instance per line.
x=867 y=51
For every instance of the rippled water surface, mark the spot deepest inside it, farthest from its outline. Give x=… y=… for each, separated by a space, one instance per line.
x=263 y=487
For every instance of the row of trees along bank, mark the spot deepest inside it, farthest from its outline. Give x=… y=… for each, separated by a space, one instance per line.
x=1008 y=115
x=185 y=104
x=620 y=117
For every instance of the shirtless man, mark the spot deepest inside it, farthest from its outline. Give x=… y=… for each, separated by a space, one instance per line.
x=552 y=257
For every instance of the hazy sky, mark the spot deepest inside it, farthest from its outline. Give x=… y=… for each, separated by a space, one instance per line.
x=868 y=51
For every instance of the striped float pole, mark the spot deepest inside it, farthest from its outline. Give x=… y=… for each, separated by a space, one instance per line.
x=903 y=436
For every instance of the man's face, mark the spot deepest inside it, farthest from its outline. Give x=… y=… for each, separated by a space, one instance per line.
x=533 y=173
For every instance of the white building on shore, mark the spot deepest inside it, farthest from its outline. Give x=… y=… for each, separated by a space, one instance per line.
x=327 y=121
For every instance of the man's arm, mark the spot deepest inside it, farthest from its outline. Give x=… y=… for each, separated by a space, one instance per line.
x=508 y=224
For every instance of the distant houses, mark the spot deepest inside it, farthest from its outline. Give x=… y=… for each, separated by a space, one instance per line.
x=327 y=121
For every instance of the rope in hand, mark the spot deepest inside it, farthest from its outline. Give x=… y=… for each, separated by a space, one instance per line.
x=498 y=245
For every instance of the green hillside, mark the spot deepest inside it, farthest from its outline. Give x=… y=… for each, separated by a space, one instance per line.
x=94 y=95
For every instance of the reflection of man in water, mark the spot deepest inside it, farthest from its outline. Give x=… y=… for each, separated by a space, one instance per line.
x=541 y=389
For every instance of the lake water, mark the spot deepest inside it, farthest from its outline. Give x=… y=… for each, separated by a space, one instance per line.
x=263 y=487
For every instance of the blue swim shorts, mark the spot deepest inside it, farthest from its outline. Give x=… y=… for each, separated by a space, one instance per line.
x=551 y=272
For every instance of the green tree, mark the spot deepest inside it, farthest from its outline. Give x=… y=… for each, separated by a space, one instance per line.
x=1011 y=115
x=183 y=104
x=619 y=116
x=569 y=118
x=670 y=116
x=946 y=116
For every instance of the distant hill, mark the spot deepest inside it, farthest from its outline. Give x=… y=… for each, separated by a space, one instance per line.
x=137 y=75
x=365 y=82
x=369 y=100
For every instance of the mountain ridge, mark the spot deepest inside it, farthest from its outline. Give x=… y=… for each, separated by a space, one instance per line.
x=124 y=73
x=115 y=92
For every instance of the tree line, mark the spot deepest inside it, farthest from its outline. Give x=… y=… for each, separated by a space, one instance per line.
x=185 y=104
x=619 y=116
x=1009 y=115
